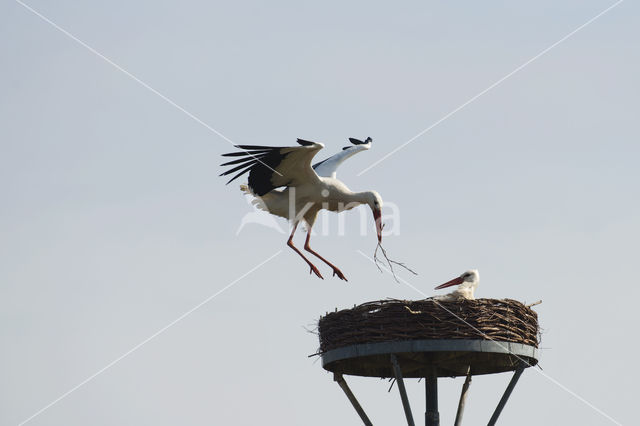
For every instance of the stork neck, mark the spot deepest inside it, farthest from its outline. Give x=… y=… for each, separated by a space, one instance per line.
x=358 y=197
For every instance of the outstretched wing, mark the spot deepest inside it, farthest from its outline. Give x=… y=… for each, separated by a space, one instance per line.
x=272 y=167
x=328 y=167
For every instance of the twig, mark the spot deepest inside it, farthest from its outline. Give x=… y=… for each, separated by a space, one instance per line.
x=312 y=331
x=375 y=258
x=534 y=303
x=413 y=312
x=391 y=387
x=390 y=262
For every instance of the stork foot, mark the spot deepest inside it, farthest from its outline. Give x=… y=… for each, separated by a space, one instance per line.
x=339 y=273
x=315 y=271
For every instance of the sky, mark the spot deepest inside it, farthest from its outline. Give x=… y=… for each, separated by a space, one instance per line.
x=127 y=296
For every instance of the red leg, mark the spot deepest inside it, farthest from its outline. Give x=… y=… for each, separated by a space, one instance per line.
x=336 y=271
x=311 y=265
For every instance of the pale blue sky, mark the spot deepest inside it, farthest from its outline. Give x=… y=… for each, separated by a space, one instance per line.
x=114 y=221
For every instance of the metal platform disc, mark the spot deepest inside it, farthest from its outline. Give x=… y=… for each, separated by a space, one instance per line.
x=416 y=357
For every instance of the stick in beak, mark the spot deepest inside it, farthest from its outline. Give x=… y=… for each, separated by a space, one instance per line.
x=455 y=281
x=377 y=216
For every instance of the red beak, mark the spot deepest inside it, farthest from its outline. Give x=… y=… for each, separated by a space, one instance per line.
x=377 y=216
x=455 y=281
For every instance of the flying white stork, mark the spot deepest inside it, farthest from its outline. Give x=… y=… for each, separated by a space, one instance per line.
x=307 y=189
x=466 y=283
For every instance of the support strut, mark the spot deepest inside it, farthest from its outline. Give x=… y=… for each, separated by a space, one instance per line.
x=463 y=398
x=343 y=384
x=403 y=391
x=507 y=393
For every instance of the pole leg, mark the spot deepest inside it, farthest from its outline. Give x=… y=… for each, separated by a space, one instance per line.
x=403 y=391
x=432 y=416
x=343 y=384
x=507 y=393
x=463 y=398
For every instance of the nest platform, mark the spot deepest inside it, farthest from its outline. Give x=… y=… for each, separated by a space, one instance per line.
x=445 y=339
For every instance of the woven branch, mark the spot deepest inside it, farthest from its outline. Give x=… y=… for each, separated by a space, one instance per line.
x=503 y=320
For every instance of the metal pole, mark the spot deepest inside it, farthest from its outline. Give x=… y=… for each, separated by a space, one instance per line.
x=343 y=384
x=507 y=393
x=431 y=416
x=463 y=398
x=403 y=391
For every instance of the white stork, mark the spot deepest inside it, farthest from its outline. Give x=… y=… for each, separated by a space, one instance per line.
x=307 y=189
x=466 y=283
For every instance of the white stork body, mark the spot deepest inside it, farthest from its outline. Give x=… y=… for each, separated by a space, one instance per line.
x=307 y=189
x=466 y=283
x=329 y=194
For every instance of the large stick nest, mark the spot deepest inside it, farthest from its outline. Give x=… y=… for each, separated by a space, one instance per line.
x=503 y=320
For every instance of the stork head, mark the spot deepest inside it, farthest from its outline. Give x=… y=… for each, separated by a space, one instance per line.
x=374 y=201
x=469 y=279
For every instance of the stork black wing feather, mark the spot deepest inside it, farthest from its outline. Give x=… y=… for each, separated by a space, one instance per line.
x=257 y=147
x=318 y=163
x=304 y=142
x=241 y=160
x=359 y=142
x=239 y=153
x=260 y=162
x=240 y=173
x=261 y=173
x=241 y=166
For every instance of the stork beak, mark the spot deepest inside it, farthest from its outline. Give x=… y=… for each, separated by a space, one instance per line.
x=455 y=281
x=377 y=216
